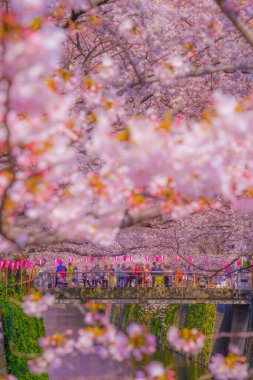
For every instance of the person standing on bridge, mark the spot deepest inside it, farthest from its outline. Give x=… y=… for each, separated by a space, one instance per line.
x=120 y=276
x=154 y=269
x=70 y=273
x=75 y=278
x=112 y=277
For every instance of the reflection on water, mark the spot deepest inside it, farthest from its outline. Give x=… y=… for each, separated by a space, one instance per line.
x=80 y=367
x=184 y=368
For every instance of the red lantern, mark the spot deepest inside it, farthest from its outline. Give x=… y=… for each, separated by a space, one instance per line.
x=17 y=265
x=12 y=265
x=124 y=258
x=157 y=258
x=92 y=259
x=6 y=263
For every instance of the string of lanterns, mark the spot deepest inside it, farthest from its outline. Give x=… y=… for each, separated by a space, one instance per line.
x=16 y=265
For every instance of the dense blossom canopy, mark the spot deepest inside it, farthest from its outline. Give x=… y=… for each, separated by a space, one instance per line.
x=113 y=112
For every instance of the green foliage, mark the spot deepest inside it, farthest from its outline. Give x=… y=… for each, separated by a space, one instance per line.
x=171 y=315
x=156 y=322
x=22 y=332
x=116 y=313
x=202 y=317
x=127 y=312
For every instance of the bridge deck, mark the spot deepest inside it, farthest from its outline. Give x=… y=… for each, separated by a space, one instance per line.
x=154 y=295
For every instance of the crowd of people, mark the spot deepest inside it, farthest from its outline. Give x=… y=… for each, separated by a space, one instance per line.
x=122 y=275
x=138 y=274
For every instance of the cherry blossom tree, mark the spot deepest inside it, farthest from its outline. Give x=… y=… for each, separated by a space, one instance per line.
x=105 y=121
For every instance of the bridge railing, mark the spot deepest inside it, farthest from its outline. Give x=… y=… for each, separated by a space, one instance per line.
x=108 y=279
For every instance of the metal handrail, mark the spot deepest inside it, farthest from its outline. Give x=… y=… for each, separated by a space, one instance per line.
x=112 y=278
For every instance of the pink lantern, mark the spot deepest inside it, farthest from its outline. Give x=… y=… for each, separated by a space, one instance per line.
x=21 y=262
x=190 y=259
x=239 y=263
x=177 y=258
x=131 y=259
x=6 y=263
x=125 y=258
x=116 y=258
x=12 y=265
x=85 y=259
x=17 y=265
x=55 y=261
x=1 y=264
x=251 y=262
x=70 y=260
x=147 y=258
x=40 y=261
x=92 y=259
x=162 y=258
x=157 y=258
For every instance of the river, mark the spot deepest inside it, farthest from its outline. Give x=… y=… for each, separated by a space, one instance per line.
x=62 y=317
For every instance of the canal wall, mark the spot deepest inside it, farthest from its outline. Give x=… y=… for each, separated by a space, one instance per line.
x=207 y=318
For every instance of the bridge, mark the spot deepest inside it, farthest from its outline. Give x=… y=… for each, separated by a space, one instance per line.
x=153 y=295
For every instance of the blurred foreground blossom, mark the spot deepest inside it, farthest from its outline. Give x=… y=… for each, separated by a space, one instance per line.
x=231 y=367
x=156 y=371
x=35 y=304
x=140 y=342
x=188 y=341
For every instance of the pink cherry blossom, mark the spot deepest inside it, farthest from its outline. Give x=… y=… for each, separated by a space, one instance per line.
x=186 y=340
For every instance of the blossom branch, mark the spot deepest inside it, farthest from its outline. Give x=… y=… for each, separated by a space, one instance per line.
x=236 y=20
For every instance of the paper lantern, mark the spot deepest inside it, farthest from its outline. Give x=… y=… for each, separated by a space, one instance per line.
x=85 y=259
x=70 y=260
x=6 y=263
x=12 y=265
x=177 y=258
x=131 y=259
x=1 y=264
x=40 y=261
x=251 y=262
x=92 y=259
x=157 y=258
x=25 y=264
x=190 y=259
x=116 y=258
x=56 y=261
x=17 y=265
x=147 y=258
x=239 y=263
x=21 y=261
x=162 y=258
x=124 y=258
